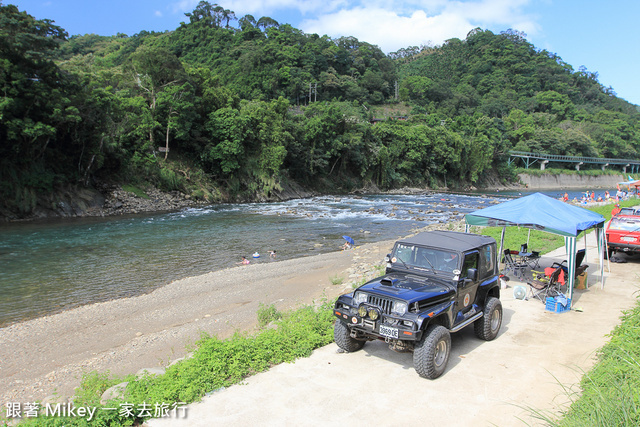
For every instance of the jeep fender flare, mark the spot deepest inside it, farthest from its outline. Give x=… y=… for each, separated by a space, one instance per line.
x=438 y=314
x=486 y=290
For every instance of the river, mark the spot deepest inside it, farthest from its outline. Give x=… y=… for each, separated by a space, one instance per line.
x=49 y=266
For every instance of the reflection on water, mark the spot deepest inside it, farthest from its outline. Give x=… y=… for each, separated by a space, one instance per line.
x=54 y=265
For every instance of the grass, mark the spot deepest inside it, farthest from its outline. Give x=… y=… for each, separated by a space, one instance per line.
x=336 y=280
x=215 y=364
x=267 y=314
x=135 y=190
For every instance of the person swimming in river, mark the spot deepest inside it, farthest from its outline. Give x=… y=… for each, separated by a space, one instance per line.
x=244 y=261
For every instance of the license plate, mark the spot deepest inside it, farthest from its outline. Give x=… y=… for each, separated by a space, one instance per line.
x=386 y=331
x=628 y=239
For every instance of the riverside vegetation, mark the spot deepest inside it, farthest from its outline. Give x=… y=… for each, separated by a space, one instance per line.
x=606 y=395
x=227 y=108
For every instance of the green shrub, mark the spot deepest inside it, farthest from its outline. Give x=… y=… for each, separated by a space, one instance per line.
x=336 y=280
x=135 y=190
x=267 y=314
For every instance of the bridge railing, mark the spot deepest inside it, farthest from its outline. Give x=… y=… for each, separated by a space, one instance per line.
x=573 y=159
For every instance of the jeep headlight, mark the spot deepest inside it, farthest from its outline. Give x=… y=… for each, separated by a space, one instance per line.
x=360 y=297
x=399 y=308
x=362 y=311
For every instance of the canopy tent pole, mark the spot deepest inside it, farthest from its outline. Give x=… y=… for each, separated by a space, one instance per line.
x=500 y=254
x=606 y=248
x=602 y=246
x=570 y=245
x=528 y=236
x=601 y=237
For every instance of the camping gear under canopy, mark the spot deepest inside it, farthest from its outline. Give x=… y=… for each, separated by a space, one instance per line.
x=540 y=212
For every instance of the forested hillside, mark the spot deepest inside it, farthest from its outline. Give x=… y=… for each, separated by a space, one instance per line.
x=230 y=108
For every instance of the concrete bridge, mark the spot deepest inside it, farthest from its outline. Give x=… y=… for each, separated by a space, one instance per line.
x=529 y=159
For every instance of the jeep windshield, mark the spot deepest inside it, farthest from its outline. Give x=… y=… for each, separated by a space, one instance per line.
x=425 y=258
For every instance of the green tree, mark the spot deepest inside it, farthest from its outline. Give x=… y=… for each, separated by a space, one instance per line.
x=154 y=70
x=35 y=108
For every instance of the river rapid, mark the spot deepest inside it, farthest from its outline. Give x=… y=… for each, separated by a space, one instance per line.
x=54 y=265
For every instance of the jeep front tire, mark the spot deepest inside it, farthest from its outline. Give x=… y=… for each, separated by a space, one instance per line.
x=488 y=326
x=342 y=337
x=431 y=354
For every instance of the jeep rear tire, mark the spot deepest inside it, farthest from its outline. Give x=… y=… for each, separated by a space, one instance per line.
x=487 y=327
x=342 y=337
x=431 y=353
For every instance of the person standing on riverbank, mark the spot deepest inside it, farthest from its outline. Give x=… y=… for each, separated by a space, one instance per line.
x=616 y=210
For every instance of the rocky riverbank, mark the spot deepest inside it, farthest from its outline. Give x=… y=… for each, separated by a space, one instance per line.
x=105 y=200
x=114 y=199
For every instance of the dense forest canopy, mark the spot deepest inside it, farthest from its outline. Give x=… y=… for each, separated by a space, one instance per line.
x=229 y=108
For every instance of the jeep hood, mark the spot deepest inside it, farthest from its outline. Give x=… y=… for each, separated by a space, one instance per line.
x=409 y=287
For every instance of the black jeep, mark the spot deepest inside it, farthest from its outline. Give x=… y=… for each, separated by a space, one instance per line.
x=435 y=283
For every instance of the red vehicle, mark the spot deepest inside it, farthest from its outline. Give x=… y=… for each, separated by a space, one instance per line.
x=623 y=232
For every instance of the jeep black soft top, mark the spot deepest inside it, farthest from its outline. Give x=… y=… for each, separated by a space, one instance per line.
x=435 y=283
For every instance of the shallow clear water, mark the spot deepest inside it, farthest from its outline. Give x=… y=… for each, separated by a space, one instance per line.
x=49 y=266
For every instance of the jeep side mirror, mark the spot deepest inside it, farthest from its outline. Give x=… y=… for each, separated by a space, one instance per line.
x=472 y=273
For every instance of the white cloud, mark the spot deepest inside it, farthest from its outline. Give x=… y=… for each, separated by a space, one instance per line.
x=400 y=24
x=157 y=14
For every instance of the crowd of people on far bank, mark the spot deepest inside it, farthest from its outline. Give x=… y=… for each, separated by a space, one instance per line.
x=591 y=197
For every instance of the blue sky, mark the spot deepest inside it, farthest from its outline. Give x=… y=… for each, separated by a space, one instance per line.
x=601 y=36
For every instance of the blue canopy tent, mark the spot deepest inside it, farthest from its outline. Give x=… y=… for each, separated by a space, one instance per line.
x=540 y=212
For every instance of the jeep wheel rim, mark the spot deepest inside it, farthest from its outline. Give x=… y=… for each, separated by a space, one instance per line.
x=495 y=320
x=441 y=353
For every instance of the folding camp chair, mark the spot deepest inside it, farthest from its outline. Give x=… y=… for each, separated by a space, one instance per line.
x=532 y=258
x=543 y=286
x=518 y=268
x=580 y=267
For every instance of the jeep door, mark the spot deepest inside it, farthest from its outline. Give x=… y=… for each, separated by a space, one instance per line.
x=467 y=288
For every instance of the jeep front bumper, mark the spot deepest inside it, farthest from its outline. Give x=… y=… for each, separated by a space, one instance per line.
x=376 y=325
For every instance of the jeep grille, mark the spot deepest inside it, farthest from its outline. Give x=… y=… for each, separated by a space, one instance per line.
x=385 y=304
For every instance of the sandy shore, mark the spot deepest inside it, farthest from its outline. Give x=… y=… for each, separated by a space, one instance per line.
x=46 y=357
